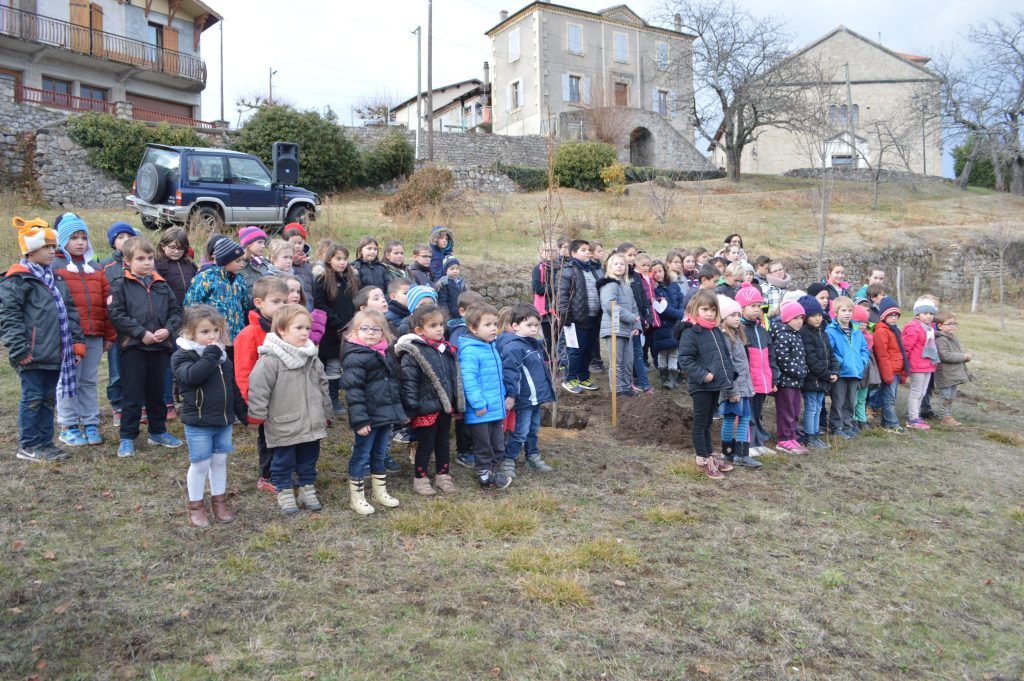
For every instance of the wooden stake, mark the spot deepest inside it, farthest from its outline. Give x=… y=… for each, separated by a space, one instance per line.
x=977 y=292
x=611 y=351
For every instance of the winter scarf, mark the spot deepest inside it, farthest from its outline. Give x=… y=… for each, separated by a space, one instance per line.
x=68 y=372
x=440 y=345
x=584 y=266
x=782 y=282
x=380 y=346
x=187 y=344
x=701 y=322
x=930 y=350
x=292 y=356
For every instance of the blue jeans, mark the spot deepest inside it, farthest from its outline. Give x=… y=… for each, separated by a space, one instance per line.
x=169 y=387
x=814 y=401
x=888 y=391
x=369 y=450
x=205 y=441
x=639 y=370
x=114 y=394
x=579 y=358
x=297 y=459
x=875 y=396
x=527 y=427
x=35 y=410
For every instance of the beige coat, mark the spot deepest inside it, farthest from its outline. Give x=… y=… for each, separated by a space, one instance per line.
x=951 y=370
x=288 y=393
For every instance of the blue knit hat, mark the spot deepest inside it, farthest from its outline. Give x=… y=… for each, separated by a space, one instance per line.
x=448 y=262
x=67 y=225
x=886 y=306
x=810 y=305
x=418 y=294
x=118 y=228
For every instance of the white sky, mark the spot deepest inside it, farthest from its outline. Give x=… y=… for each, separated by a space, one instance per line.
x=333 y=52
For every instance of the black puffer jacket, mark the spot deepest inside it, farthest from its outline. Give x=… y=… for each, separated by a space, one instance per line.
x=209 y=395
x=29 y=325
x=372 y=389
x=818 y=356
x=339 y=313
x=430 y=379
x=789 y=355
x=372 y=273
x=643 y=303
x=178 y=274
x=136 y=308
x=572 y=295
x=703 y=351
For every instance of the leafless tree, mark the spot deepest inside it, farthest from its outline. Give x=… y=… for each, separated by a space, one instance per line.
x=892 y=139
x=742 y=78
x=376 y=108
x=257 y=100
x=983 y=93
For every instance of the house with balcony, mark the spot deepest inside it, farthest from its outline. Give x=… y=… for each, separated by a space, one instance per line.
x=133 y=57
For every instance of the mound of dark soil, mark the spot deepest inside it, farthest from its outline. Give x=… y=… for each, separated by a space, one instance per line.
x=652 y=419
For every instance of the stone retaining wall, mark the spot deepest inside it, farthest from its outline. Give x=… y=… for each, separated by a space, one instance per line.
x=461 y=149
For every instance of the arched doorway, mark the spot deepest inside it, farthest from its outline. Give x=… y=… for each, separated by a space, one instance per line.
x=641 y=147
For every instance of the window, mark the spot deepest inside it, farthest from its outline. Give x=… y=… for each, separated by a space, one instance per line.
x=842 y=161
x=513 y=44
x=621 y=47
x=574 y=38
x=56 y=92
x=155 y=37
x=575 y=89
x=622 y=94
x=205 y=168
x=662 y=107
x=515 y=95
x=833 y=115
x=248 y=171
x=844 y=114
x=93 y=98
x=661 y=55
x=855 y=115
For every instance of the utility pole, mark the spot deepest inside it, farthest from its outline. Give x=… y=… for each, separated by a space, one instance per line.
x=270 y=93
x=924 y=142
x=222 y=71
x=419 y=87
x=849 y=118
x=430 y=80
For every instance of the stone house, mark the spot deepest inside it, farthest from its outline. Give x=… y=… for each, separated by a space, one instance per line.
x=140 y=55
x=601 y=75
x=444 y=98
x=889 y=115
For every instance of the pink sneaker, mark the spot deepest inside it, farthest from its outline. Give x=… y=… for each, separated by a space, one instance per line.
x=919 y=424
x=711 y=469
x=789 y=446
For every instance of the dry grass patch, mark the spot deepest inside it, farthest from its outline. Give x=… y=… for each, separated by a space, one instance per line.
x=833 y=579
x=596 y=553
x=686 y=469
x=1016 y=514
x=1003 y=437
x=556 y=590
x=482 y=517
x=664 y=515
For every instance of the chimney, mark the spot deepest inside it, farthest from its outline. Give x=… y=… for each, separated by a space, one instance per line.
x=503 y=14
x=487 y=73
x=487 y=85
x=679 y=24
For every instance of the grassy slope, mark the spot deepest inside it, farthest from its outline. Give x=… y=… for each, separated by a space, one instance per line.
x=892 y=558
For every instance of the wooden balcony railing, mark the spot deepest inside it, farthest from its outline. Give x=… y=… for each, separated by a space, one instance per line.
x=161 y=117
x=57 y=100
x=83 y=40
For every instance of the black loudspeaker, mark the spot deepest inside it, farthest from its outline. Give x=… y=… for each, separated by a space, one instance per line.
x=286 y=162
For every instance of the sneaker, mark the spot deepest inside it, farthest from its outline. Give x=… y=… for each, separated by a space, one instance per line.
x=264 y=485
x=55 y=453
x=37 y=454
x=747 y=461
x=721 y=464
x=508 y=467
x=126 y=448
x=172 y=413
x=588 y=385
x=710 y=469
x=918 y=424
x=572 y=386
x=466 y=459
x=597 y=367
x=164 y=440
x=895 y=428
x=495 y=481
x=92 y=434
x=404 y=436
x=73 y=437
x=815 y=442
x=789 y=447
x=628 y=393
x=846 y=434
x=765 y=449
x=392 y=466
x=338 y=406
x=536 y=463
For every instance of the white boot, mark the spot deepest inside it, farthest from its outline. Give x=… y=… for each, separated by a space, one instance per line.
x=380 y=492
x=357 y=498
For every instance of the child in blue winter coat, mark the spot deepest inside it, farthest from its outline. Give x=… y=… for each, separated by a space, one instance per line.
x=850 y=358
x=449 y=287
x=527 y=386
x=668 y=303
x=484 y=388
x=442 y=245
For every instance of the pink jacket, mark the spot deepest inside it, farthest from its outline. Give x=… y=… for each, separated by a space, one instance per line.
x=914 y=338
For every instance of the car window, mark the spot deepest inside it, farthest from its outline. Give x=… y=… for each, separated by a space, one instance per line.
x=205 y=168
x=162 y=158
x=248 y=171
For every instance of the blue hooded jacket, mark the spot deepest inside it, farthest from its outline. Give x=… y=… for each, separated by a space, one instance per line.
x=850 y=353
x=482 y=380
x=526 y=375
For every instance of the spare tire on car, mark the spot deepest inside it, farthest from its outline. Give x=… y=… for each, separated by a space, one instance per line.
x=150 y=183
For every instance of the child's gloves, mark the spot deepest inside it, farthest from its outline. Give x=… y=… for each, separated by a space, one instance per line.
x=319 y=326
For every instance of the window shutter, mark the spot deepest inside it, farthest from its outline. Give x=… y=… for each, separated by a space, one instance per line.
x=585 y=90
x=509 y=104
x=520 y=95
x=672 y=104
x=171 y=64
x=654 y=99
x=565 y=87
x=96 y=23
x=513 y=44
x=79 y=13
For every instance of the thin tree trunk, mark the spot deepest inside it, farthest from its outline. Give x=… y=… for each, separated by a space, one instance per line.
x=874 y=190
x=825 y=192
x=733 y=156
x=1017 y=176
x=997 y=165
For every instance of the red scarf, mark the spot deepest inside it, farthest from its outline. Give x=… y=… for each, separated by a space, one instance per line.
x=380 y=346
x=704 y=323
x=440 y=345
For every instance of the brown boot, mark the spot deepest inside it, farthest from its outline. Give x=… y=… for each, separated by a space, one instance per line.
x=949 y=422
x=219 y=504
x=197 y=514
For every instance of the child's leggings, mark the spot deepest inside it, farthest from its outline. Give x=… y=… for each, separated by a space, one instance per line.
x=735 y=428
x=758 y=434
x=860 y=410
x=704 y=404
x=668 y=359
x=918 y=384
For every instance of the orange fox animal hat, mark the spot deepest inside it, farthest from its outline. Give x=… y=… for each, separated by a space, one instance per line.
x=34 y=234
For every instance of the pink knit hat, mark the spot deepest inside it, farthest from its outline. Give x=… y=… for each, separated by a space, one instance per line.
x=749 y=295
x=727 y=306
x=247 y=235
x=860 y=314
x=791 y=310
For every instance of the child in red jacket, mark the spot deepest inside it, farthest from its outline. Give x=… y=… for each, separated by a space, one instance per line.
x=888 y=351
x=922 y=356
x=269 y=294
x=79 y=416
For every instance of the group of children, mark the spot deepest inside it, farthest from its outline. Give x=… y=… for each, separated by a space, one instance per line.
x=268 y=336
x=738 y=332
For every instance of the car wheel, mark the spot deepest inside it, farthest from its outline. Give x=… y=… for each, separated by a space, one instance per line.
x=150 y=223
x=206 y=219
x=300 y=214
x=150 y=183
